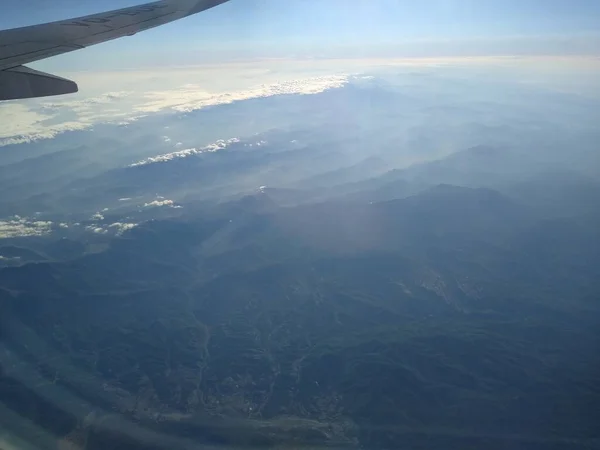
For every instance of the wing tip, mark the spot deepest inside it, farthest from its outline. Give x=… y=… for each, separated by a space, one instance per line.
x=22 y=82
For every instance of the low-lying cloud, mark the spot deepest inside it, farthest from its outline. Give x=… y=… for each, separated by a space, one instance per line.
x=120 y=227
x=23 y=227
x=23 y=122
x=160 y=202
x=221 y=144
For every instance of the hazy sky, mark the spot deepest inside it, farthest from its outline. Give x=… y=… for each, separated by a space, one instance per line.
x=259 y=28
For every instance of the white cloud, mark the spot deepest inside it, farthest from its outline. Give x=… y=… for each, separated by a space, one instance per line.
x=258 y=144
x=21 y=227
x=20 y=124
x=125 y=199
x=96 y=230
x=191 y=97
x=122 y=227
x=109 y=97
x=98 y=216
x=158 y=203
x=39 y=119
x=216 y=146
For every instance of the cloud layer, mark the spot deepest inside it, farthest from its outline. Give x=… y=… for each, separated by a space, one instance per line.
x=34 y=120
x=21 y=227
x=219 y=145
x=161 y=202
x=125 y=96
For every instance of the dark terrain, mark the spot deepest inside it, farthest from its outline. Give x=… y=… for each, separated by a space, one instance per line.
x=454 y=318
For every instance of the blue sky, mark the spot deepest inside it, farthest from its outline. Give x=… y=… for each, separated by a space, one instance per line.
x=256 y=28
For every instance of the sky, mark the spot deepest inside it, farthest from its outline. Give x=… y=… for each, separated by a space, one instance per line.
x=252 y=29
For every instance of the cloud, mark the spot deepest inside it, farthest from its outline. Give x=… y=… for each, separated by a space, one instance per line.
x=122 y=97
x=214 y=147
x=159 y=203
x=258 y=144
x=118 y=228
x=22 y=227
x=97 y=216
x=83 y=105
x=191 y=97
x=20 y=124
x=121 y=228
x=40 y=119
x=96 y=230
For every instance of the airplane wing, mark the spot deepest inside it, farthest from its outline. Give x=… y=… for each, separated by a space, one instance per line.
x=20 y=46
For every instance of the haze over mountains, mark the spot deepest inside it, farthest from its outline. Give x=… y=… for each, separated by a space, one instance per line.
x=403 y=259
